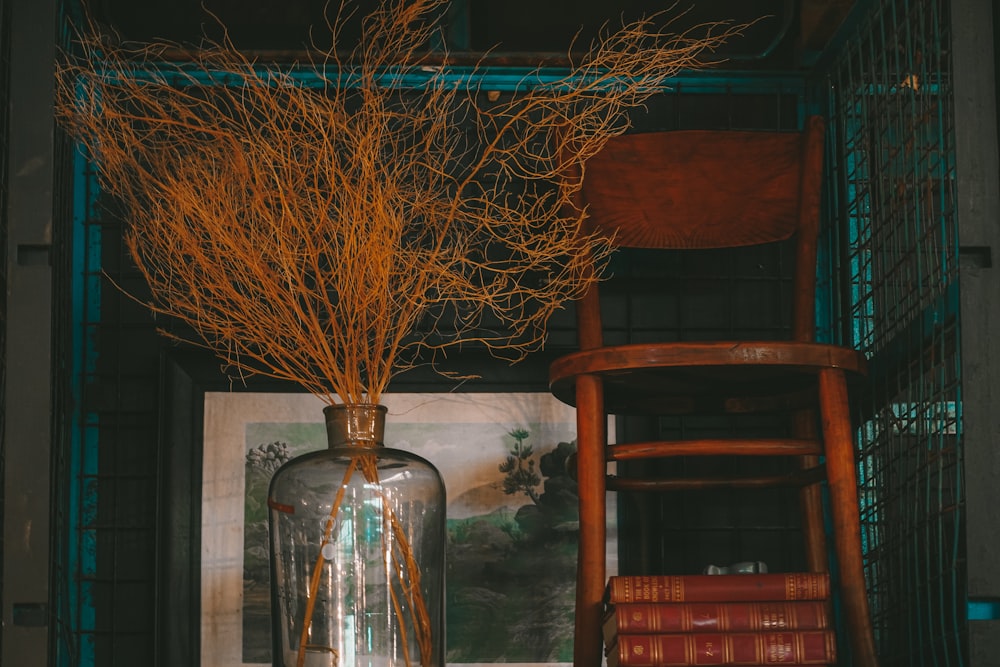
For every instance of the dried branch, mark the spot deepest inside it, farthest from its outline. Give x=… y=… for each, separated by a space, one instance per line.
x=335 y=230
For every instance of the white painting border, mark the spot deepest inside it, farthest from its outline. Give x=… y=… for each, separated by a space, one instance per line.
x=222 y=539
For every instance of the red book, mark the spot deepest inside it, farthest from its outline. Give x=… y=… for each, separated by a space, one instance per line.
x=793 y=647
x=655 y=617
x=718 y=587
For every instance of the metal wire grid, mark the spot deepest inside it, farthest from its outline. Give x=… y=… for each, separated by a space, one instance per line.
x=114 y=448
x=106 y=450
x=109 y=450
x=893 y=223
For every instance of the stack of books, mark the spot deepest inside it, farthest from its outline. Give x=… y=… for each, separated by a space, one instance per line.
x=738 y=619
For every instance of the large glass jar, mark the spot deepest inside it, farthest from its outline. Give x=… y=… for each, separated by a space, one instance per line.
x=357 y=551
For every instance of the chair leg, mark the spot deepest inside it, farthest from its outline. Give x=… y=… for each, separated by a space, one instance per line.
x=841 y=476
x=811 y=500
x=592 y=468
x=813 y=530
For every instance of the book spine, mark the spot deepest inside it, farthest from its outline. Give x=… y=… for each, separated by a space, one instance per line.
x=648 y=617
x=718 y=587
x=801 y=647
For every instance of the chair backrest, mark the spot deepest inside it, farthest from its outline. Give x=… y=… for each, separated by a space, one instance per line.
x=698 y=189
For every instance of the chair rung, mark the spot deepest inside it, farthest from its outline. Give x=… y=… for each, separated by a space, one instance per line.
x=710 y=447
x=797 y=478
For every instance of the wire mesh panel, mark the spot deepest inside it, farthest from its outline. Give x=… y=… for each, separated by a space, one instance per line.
x=893 y=220
x=112 y=447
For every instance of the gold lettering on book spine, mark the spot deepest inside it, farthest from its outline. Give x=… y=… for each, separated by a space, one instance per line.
x=773 y=617
x=692 y=619
x=651 y=590
x=779 y=648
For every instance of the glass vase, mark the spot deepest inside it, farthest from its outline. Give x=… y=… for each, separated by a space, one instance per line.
x=357 y=551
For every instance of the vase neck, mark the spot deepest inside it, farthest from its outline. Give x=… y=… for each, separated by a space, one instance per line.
x=355 y=424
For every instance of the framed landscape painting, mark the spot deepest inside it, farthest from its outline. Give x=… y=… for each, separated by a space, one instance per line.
x=512 y=520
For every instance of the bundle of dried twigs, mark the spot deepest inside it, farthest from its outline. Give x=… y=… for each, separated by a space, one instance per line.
x=333 y=230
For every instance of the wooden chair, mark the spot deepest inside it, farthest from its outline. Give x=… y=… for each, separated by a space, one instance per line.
x=711 y=189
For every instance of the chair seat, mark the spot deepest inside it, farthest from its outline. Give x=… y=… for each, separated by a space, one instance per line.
x=703 y=377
